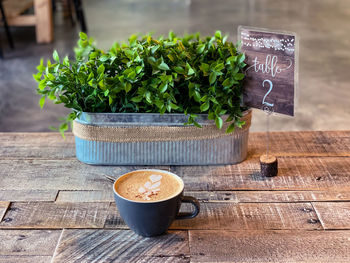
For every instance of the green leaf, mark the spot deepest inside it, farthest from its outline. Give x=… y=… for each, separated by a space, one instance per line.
x=154 y=49
x=42 y=102
x=42 y=84
x=174 y=106
x=66 y=61
x=230 y=128
x=218 y=122
x=219 y=67
x=163 y=66
x=212 y=78
x=106 y=92
x=204 y=107
x=241 y=58
x=197 y=124
x=196 y=96
x=104 y=58
x=227 y=83
x=204 y=67
x=218 y=34
x=239 y=76
x=37 y=76
x=137 y=99
x=190 y=69
x=55 y=56
x=138 y=69
x=100 y=69
x=128 y=87
x=163 y=87
x=110 y=100
x=179 y=70
x=83 y=36
x=148 y=97
x=200 y=48
x=239 y=123
x=132 y=75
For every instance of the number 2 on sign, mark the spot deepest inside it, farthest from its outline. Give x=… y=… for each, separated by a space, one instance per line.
x=267 y=93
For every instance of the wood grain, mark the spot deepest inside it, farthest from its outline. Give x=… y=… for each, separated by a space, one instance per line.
x=270 y=246
x=121 y=246
x=300 y=173
x=301 y=143
x=25 y=259
x=252 y=216
x=281 y=94
x=247 y=216
x=85 y=196
x=3 y=209
x=14 y=8
x=269 y=196
x=28 y=242
x=55 y=215
x=297 y=173
x=28 y=195
x=333 y=215
x=39 y=174
x=36 y=145
x=44 y=22
x=114 y=219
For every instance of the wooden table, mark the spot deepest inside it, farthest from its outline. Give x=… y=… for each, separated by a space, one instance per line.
x=55 y=208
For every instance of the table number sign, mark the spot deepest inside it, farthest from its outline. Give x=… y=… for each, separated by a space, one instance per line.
x=270 y=82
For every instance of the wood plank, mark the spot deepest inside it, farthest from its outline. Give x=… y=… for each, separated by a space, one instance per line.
x=268 y=196
x=121 y=246
x=114 y=219
x=252 y=216
x=59 y=175
x=24 y=20
x=27 y=195
x=85 y=196
x=36 y=145
x=301 y=143
x=219 y=196
x=14 y=8
x=25 y=259
x=333 y=215
x=298 y=173
x=249 y=216
x=3 y=208
x=317 y=173
x=55 y=215
x=44 y=21
x=28 y=242
x=270 y=246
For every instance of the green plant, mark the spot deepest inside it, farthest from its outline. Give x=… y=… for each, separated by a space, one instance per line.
x=175 y=74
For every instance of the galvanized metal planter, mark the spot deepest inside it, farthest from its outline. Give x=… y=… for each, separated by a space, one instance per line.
x=225 y=149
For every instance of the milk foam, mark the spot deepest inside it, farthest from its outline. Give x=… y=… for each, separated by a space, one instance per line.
x=151 y=187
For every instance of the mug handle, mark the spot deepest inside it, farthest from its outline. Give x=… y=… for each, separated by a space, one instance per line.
x=188 y=215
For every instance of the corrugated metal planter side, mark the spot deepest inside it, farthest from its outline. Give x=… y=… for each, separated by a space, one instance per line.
x=224 y=150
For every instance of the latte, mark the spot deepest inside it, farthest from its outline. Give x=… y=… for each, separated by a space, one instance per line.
x=148 y=186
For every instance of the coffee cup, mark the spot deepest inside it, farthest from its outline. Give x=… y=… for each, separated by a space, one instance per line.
x=149 y=200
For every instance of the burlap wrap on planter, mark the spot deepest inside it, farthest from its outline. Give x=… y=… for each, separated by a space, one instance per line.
x=153 y=133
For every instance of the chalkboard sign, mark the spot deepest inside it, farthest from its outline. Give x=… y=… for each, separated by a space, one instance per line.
x=270 y=82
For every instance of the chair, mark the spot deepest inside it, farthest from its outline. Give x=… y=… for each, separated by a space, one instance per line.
x=7 y=29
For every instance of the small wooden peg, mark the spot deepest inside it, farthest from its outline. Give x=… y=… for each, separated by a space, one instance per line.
x=268 y=165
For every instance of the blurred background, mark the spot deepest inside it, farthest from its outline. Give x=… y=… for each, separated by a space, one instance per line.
x=37 y=27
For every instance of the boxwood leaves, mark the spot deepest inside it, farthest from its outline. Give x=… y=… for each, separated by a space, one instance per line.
x=172 y=74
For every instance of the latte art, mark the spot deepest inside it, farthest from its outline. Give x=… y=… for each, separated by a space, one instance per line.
x=148 y=186
x=151 y=187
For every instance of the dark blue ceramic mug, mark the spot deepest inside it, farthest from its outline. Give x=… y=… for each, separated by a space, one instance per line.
x=153 y=218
